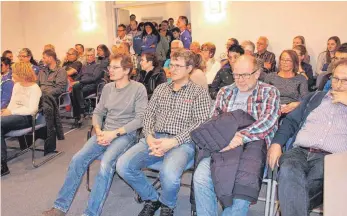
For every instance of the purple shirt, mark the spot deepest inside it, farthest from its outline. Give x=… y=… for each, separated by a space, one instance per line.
x=186 y=38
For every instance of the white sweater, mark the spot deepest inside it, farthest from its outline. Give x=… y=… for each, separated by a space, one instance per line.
x=25 y=100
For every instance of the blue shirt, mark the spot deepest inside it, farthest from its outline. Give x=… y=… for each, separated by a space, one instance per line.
x=6 y=89
x=147 y=42
x=327 y=86
x=36 y=69
x=186 y=38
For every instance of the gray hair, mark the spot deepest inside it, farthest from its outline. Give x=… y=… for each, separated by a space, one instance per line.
x=180 y=44
x=264 y=38
x=248 y=45
x=90 y=50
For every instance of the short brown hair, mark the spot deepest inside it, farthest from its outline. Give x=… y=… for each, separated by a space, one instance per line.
x=199 y=62
x=210 y=47
x=295 y=59
x=302 y=49
x=50 y=53
x=187 y=55
x=125 y=61
x=24 y=72
x=151 y=57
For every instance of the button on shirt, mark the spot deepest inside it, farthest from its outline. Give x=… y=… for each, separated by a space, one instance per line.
x=177 y=112
x=325 y=127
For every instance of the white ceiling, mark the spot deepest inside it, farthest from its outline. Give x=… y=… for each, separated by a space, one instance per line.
x=125 y=3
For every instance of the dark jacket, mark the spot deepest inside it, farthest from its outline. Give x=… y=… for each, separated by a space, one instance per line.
x=234 y=174
x=293 y=122
x=54 y=126
x=151 y=79
x=309 y=73
x=91 y=74
x=53 y=82
x=223 y=78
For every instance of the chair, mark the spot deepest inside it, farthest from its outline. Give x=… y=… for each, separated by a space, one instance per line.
x=96 y=96
x=38 y=122
x=65 y=97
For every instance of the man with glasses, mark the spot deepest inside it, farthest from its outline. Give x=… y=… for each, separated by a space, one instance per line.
x=174 y=110
x=72 y=65
x=317 y=128
x=262 y=102
x=116 y=119
x=123 y=37
x=324 y=82
x=224 y=76
x=86 y=84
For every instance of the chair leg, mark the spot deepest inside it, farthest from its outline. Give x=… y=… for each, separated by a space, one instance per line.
x=21 y=152
x=268 y=196
x=272 y=199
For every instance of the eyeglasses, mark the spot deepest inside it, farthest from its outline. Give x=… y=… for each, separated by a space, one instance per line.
x=22 y=56
x=244 y=76
x=119 y=30
x=337 y=80
x=113 y=67
x=172 y=66
x=286 y=60
x=70 y=54
x=338 y=58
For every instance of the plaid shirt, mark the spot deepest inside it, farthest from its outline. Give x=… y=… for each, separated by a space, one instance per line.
x=177 y=112
x=263 y=105
x=267 y=57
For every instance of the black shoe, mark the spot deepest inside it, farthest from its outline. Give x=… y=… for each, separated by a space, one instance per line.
x=166 y=211
x=150 y=208
x=4 y=168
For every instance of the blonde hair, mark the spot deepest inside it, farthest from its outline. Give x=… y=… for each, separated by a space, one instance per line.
x=49 y=46
x=24 y=72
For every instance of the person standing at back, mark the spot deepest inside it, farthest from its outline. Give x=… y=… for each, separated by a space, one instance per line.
x=185 y=35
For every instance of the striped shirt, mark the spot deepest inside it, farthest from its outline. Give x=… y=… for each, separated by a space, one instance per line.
x=177 y=112
x=325 y=127
x=267 y=57
x=263 y=105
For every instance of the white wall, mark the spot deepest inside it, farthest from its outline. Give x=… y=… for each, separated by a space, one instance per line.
x=57 y=23
x=279 y=21
x=165 y=10
x=12 y=32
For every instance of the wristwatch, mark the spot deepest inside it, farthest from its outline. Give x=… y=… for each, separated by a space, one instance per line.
x=118 y=134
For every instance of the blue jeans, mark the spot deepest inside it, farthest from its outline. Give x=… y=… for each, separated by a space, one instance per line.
x=78 y=166
x=205 y=196
x=175 y=161
x=300 y=183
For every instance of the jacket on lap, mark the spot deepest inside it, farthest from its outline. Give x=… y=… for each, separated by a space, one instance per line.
x=235 y=173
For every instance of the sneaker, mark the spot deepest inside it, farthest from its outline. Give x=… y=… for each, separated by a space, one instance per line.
x=150 y=208
x=166 y=211
x=53 y=212
x=4 y=168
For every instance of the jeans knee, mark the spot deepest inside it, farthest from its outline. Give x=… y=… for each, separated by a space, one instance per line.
x=106 y=168
x=168 y=177
x=122 y=167
x=76 y=162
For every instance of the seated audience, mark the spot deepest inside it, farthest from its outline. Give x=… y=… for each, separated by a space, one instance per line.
x=25 y=55
x=150 y=39
x=230 y=42
x=176 y=33
x=122 y=105
x=224 y=76
x=103 y=56
x=175 y=45
x=174 y=110
x=305 y=69
x=8 y=54
x=185 y=35
x=47 y=47
x=6 y=82
x=124 y=49
x=198 y=76
x=324 y=58
x=86 y=84
x=151 y=74
x=212 y=66
x=52 y=79
x=248 y=46
x=292 y=86
x=72 y=65
x=195 y=47
x=317 y=128
x=24 y=103
x=325 y=82
x=300 y=40
x=81 y=57
x=261 y=101
x=268 y=57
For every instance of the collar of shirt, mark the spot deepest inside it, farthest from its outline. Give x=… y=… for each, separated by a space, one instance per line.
x=182 y=88
x=91 y=63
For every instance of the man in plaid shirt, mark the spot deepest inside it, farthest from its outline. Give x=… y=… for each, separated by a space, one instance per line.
x=262 y=102
x=174 y=110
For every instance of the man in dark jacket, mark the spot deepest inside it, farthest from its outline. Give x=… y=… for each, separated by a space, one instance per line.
x=317 y=128
x=262 y=102
x=86 y=84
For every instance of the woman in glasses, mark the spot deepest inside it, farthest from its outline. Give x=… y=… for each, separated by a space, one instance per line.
x=25 y=55
x=292 y=86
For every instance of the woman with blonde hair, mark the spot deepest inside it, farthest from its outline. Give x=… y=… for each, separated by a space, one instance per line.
x=212 y=66
x=24 y=103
